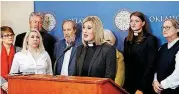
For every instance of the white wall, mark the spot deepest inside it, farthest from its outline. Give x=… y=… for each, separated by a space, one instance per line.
x=0 y=13
x=16 y=15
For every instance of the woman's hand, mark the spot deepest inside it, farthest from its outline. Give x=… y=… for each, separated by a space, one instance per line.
x=157 y=87
x=5 y=86
x=138 y=92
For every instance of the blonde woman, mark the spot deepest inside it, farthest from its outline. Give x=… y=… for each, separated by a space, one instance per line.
x=111 y=39
x=33 y=57
x=95 y=58
x=166 y=78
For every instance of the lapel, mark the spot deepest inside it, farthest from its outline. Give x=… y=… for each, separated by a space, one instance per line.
x=81 y=60
x=63 y=46
x=96 y=53
x=73 y=51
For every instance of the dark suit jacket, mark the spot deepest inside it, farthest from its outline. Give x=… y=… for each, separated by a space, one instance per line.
x=48 y=42
x=103 y=63
x=58 y=51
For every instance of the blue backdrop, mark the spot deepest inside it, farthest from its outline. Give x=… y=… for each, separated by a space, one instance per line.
x=155 y=12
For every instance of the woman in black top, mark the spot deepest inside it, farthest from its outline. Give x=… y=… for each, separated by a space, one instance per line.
x=140 y=49
x=95 y=58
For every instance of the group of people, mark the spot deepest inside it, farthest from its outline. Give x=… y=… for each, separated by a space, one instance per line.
x=142 y=68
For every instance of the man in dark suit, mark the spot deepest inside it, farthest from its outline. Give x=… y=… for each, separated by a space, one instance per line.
x=66 y=64
x=35 y=22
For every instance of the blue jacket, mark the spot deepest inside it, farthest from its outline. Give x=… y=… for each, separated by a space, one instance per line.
x=58 y=51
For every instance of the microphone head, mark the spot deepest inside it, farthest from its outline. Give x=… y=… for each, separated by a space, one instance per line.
x=72 y=43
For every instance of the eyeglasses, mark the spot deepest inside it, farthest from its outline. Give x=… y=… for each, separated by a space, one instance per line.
x=166 y=27
x=8 y=35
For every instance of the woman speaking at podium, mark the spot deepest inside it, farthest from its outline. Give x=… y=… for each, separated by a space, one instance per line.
x=95 y=58
x=32 y=58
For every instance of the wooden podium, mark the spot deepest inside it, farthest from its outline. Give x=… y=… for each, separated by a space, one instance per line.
x=47 y=84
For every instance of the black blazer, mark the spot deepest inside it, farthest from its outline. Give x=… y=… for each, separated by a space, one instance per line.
x=103 y=63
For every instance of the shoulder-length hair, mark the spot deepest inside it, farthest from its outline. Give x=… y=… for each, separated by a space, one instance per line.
x=73 y=23
x=175 y=23
x=145 y=28
x=97 y=30
x=25 y=42
x=6 y=29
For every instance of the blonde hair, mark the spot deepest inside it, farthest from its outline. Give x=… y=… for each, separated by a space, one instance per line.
x=25 y=44
x=108 y=35
x=97 y=29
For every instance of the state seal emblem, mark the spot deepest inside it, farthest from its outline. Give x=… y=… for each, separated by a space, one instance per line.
x=122 y=20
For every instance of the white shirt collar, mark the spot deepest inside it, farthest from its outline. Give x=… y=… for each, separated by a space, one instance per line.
x=172 y=43
x=90 y=44
x=66 y=61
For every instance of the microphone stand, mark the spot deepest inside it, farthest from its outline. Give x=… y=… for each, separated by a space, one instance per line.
x=64 y=51
x=55 y=64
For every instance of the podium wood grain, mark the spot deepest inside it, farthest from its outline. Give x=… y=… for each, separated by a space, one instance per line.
x=47 y=84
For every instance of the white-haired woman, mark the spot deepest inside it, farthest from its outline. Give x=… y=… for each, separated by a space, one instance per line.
x=95 y=58
x=111 y=39
x=33 y=57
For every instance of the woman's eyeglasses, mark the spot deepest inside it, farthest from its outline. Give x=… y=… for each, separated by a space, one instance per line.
x=166 y=27
x=8 y=35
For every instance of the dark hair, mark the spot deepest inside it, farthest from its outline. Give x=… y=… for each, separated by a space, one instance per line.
x=145 y=28
x=74 y=24
x=6 y=29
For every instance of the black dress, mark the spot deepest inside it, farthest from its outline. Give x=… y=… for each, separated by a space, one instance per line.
x=139 y=64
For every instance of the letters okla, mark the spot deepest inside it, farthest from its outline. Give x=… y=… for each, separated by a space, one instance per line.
x=162 y=18
x=151 y=18
x=77 y=20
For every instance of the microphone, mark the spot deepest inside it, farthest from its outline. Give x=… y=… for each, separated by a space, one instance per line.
x=71 y=44
x=68 y=47
x=15 y=74
x=22 y=73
